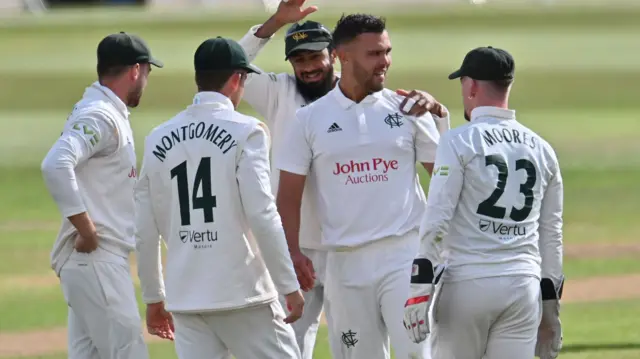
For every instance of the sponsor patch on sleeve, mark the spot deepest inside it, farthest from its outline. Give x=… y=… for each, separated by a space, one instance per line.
x=441 y=171
x=87 y=132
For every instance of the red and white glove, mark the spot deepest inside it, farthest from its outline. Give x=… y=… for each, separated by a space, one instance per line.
x=424 y=277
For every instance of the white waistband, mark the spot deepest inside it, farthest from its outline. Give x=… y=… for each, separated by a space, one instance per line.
x=99 y=255
x=383 y=240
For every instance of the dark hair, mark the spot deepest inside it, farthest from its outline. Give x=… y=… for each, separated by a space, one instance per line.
x=350 y=26
x=110 y=70
x=212 y=80
x=501 y=85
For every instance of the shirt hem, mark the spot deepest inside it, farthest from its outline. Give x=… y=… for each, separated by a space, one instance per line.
x=223 y=307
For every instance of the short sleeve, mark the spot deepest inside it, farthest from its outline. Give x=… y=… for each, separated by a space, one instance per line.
x=295 y=154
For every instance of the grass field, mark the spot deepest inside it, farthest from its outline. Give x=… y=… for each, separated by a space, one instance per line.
x=577 y=76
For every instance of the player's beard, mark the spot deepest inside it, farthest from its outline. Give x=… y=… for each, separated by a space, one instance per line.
x=312 y=91
x=466 y=116
x=133 y=99
x=366 y=79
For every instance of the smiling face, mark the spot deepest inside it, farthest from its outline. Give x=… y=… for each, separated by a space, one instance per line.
x=369 y=58
x=314 y=72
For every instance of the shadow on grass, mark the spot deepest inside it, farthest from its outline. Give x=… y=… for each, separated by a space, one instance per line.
x=578 y=348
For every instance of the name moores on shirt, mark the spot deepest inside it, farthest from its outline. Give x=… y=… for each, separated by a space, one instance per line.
x=509 y=135
x=358 y=172
x=195 y=130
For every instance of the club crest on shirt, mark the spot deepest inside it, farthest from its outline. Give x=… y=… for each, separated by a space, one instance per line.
x=394 y=120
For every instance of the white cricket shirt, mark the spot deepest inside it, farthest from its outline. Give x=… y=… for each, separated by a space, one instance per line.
x=204 y=187
x=494 y=204
x=363 y=158
x=276 y=98
x=92 y=168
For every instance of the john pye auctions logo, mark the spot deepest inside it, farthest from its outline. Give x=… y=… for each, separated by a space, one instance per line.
x=375 y=170
x=199 y=239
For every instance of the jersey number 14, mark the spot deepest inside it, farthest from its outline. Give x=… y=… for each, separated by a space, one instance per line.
x=488 y=207
x=206 y=202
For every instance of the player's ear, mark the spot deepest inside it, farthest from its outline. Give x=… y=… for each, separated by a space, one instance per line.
x=135 y=72
x=234 y=82
x=333 y=55
x=341 y=54
x=473 y=87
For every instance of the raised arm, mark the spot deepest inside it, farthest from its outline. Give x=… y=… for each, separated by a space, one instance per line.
x=263 y=90
x=81 y=139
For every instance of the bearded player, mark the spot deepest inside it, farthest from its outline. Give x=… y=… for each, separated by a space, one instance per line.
x=276 y=97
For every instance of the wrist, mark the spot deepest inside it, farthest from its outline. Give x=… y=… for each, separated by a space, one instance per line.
x=269 y=28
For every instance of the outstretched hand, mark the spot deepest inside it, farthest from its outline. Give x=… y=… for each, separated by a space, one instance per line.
x=292 y=11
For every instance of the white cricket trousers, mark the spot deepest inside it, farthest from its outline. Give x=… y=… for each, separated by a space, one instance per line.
x=367 y=288
x=306 y=328
x=247 y=333
x=487 y=318
x=104 y=322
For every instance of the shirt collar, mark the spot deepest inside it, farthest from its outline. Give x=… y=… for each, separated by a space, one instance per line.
x=346 y=103
x=494 y=112
x=210 y=97
x=98 y=89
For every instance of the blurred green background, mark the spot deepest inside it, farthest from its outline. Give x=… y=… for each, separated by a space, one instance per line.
x=576 y=84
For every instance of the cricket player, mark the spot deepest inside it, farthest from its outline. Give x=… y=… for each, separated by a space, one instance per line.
x=90 y=171
x=361 y=153
x=204 y=187
x=494 y=223
x=276 y=97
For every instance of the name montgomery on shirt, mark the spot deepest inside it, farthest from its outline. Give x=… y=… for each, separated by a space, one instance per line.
x=195 y=130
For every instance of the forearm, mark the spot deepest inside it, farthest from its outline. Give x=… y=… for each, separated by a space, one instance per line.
x=551 y=252
x=269 y=28
x=289 y=210
x=550 y=231
x=443 y=124
x=148 y=245
x=271 y=239
x=149 y=254
x=58 y=171
x=84 y=225
x=61 y=183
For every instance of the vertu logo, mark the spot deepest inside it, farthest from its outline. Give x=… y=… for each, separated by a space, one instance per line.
x=484 y=225
x=199 y=239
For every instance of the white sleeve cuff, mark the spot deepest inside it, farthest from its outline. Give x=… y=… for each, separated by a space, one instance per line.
x=298 y=170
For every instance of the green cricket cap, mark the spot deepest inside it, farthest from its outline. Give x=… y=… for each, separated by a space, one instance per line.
x=123 y=49
x=308 y=36
x=222 y=54
x=486 y=63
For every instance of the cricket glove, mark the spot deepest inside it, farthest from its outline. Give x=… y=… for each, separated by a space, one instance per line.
x=549 y=340
x=424 y=278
